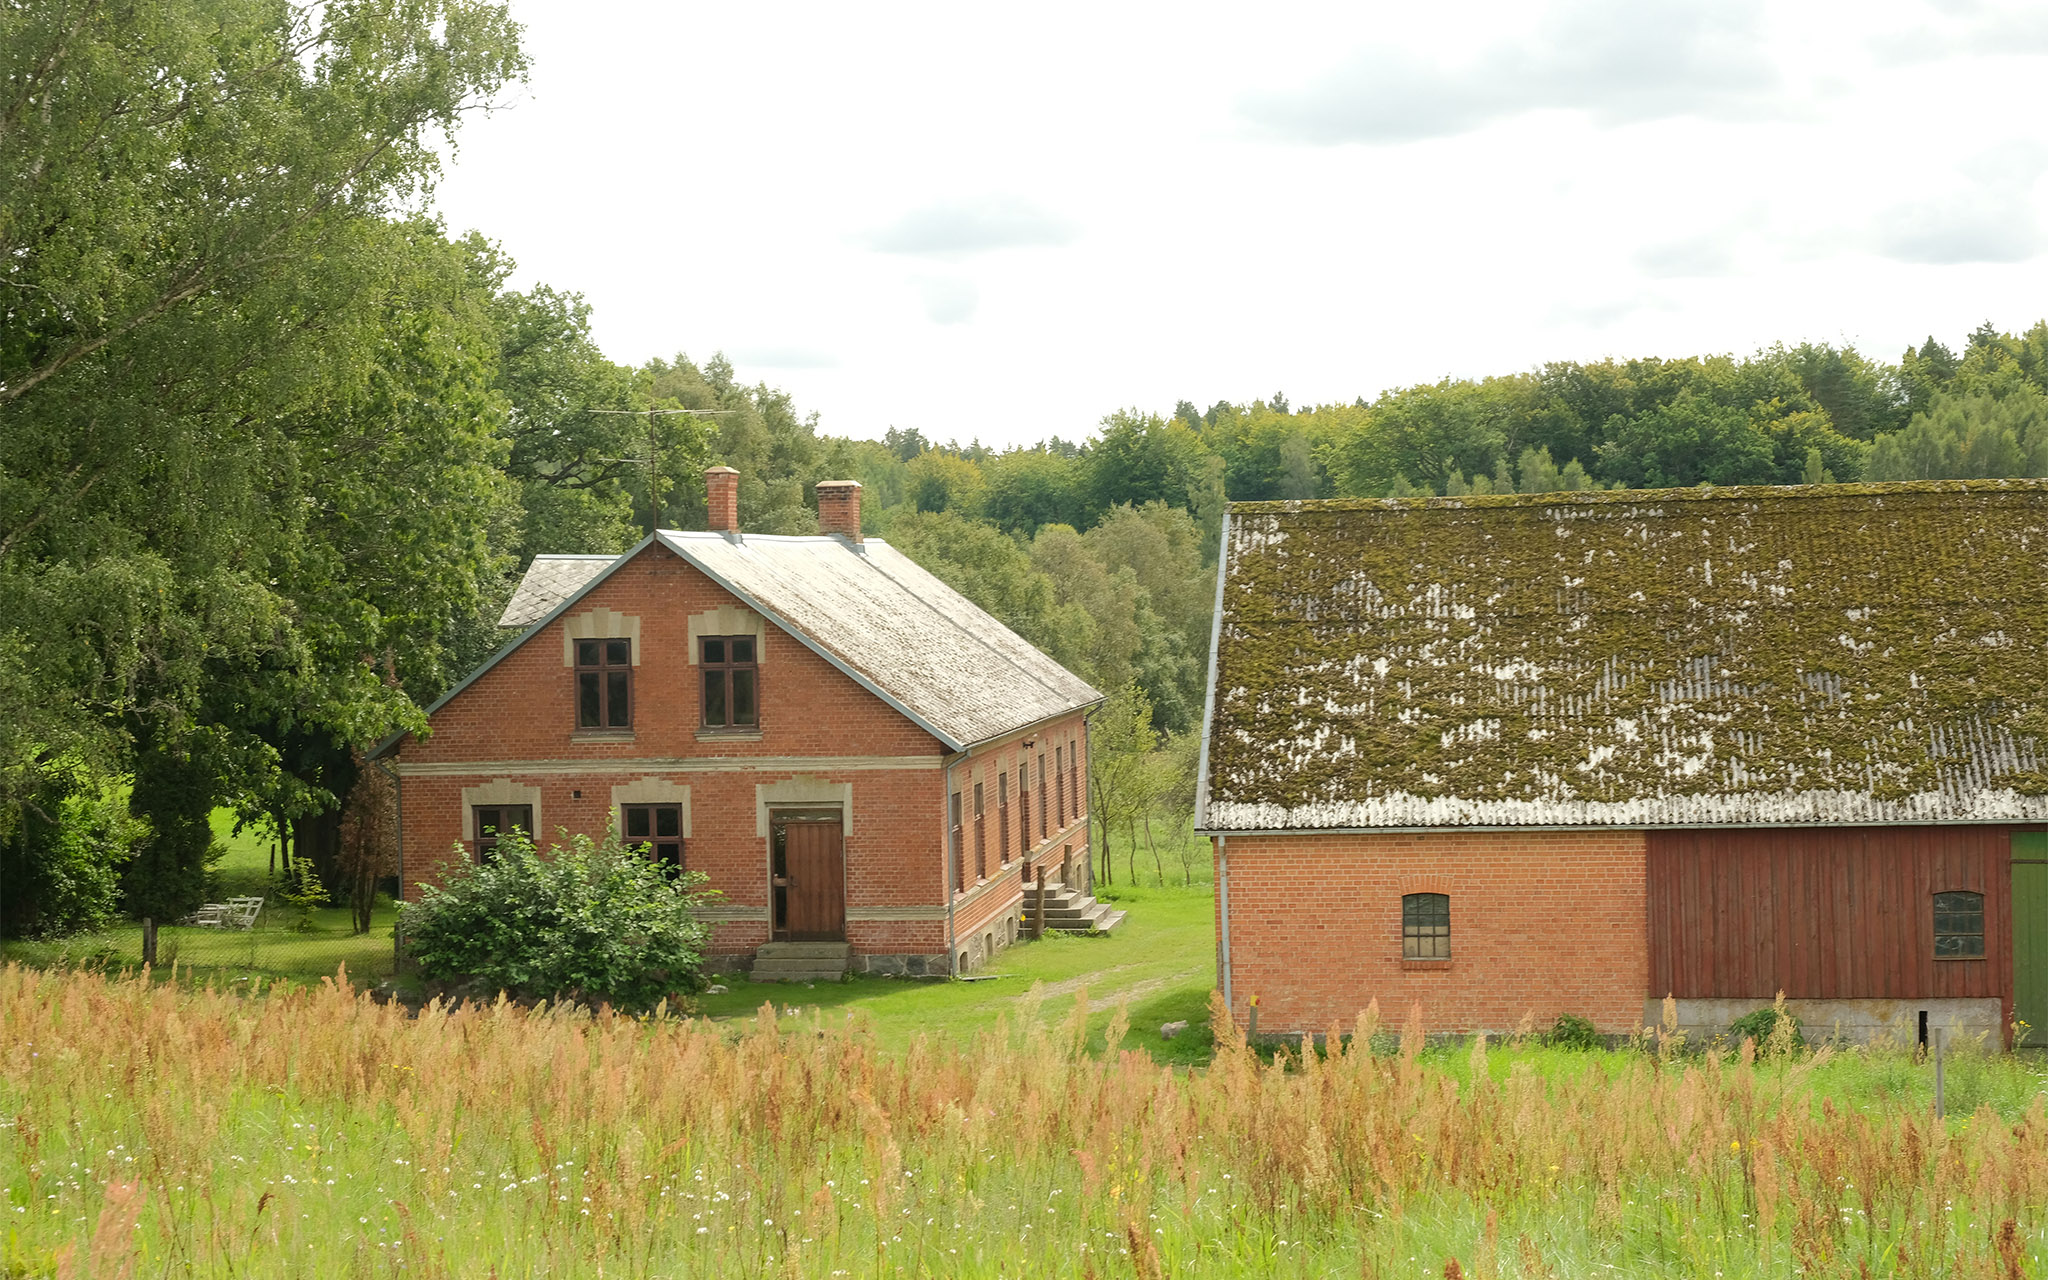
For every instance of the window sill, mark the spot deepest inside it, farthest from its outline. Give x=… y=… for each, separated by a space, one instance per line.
x=1425 y=966
x=1961 y=959
x=601 y=735
x=728 y=735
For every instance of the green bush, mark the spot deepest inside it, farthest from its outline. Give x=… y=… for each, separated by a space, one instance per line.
x=1773 y=1028
x=299 y=885
x=61 y=862
x=592 y=923
x=1570 y=1031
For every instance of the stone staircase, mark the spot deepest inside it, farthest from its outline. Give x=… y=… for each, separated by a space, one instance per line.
x=1069 y=910
x=801 y=961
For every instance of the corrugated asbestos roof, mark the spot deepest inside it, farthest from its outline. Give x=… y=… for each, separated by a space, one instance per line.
x=878 y=616
x=550 y=580
x=1825 y=655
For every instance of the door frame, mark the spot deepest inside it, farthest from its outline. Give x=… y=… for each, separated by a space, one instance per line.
x=815 y=814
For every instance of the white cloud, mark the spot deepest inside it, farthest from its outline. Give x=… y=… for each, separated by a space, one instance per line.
x=1708 y=254
x=949 y=299
x=935 y=202
x=1622 y=61
x=1984 y=212
x=784 y=357
x=957 y=227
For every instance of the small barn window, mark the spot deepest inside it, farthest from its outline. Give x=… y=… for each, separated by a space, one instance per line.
x=1959 y=925
x=1426 y=926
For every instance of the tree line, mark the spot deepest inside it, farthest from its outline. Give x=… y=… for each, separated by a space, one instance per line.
x=275 y=445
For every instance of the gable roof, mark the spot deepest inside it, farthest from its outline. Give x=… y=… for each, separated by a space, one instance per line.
x=1794 y=655
x=550 y=580
x=867 y=609
x=875 y=614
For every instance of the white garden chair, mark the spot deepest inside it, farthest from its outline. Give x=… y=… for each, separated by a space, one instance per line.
x=213 y=915
x=241 y=913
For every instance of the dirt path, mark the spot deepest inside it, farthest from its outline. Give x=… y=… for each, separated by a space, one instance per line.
x=1095 y=982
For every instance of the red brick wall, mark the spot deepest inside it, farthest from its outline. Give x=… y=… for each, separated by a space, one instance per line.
x=1542 y=923
x=982 y=912
x=523 y=710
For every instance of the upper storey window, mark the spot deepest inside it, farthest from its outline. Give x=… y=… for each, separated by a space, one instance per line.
x=604 y=684
x=732 y=682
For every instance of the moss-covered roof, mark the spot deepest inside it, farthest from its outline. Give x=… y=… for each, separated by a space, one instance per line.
x=1807 y=655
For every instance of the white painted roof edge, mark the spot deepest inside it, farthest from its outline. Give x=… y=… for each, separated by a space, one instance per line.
x=1209 y=696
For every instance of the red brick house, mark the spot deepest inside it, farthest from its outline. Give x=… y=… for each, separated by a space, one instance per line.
x=865 y=764
x=1538 y=754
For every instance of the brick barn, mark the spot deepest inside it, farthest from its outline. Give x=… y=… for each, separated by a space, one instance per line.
x=866 y=765
x=1527 y=755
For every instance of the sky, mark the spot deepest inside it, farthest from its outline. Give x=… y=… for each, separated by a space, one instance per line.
x=1004 y=223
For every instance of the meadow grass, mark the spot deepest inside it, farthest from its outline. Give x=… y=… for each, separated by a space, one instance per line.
x=152 y=1129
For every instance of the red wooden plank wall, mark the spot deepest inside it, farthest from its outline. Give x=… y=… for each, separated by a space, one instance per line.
x=1839 y=913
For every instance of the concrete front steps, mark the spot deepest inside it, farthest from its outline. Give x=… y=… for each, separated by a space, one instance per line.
x=1069 y=910
x=802 y=961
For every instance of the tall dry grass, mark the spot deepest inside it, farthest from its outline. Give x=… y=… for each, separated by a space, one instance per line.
x=154 y=1131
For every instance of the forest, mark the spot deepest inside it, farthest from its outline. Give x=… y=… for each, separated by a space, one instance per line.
x=276 y=444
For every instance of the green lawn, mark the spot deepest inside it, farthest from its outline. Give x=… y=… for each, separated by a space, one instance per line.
x=274 y=950
x=1161 y=962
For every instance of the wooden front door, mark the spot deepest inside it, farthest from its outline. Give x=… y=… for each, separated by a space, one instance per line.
x=808 y=875
x=2030 y=934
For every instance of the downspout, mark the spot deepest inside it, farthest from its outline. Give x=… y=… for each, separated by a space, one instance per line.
x=1088 y=744
x=398 y=928
x=1223 y=900
x=946 y=866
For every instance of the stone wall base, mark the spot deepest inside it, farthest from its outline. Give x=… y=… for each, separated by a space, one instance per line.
x=1896 y=1022
x=902 y=966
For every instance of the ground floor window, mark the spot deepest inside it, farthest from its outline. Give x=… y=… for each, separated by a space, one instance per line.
x=1426 y=926
x=658 y=828
x=493 y=820
x=1959 y=925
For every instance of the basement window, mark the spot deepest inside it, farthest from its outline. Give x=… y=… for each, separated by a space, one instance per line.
x=1959 y=925
x=1425 y=926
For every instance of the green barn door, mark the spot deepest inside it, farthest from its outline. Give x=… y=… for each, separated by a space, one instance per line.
x=2030 y=934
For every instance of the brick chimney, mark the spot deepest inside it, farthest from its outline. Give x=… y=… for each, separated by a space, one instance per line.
x=722 y=497
x=839 y=508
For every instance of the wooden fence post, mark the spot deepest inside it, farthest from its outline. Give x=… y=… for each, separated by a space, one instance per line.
x=1038 y=912
x=149 y=941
